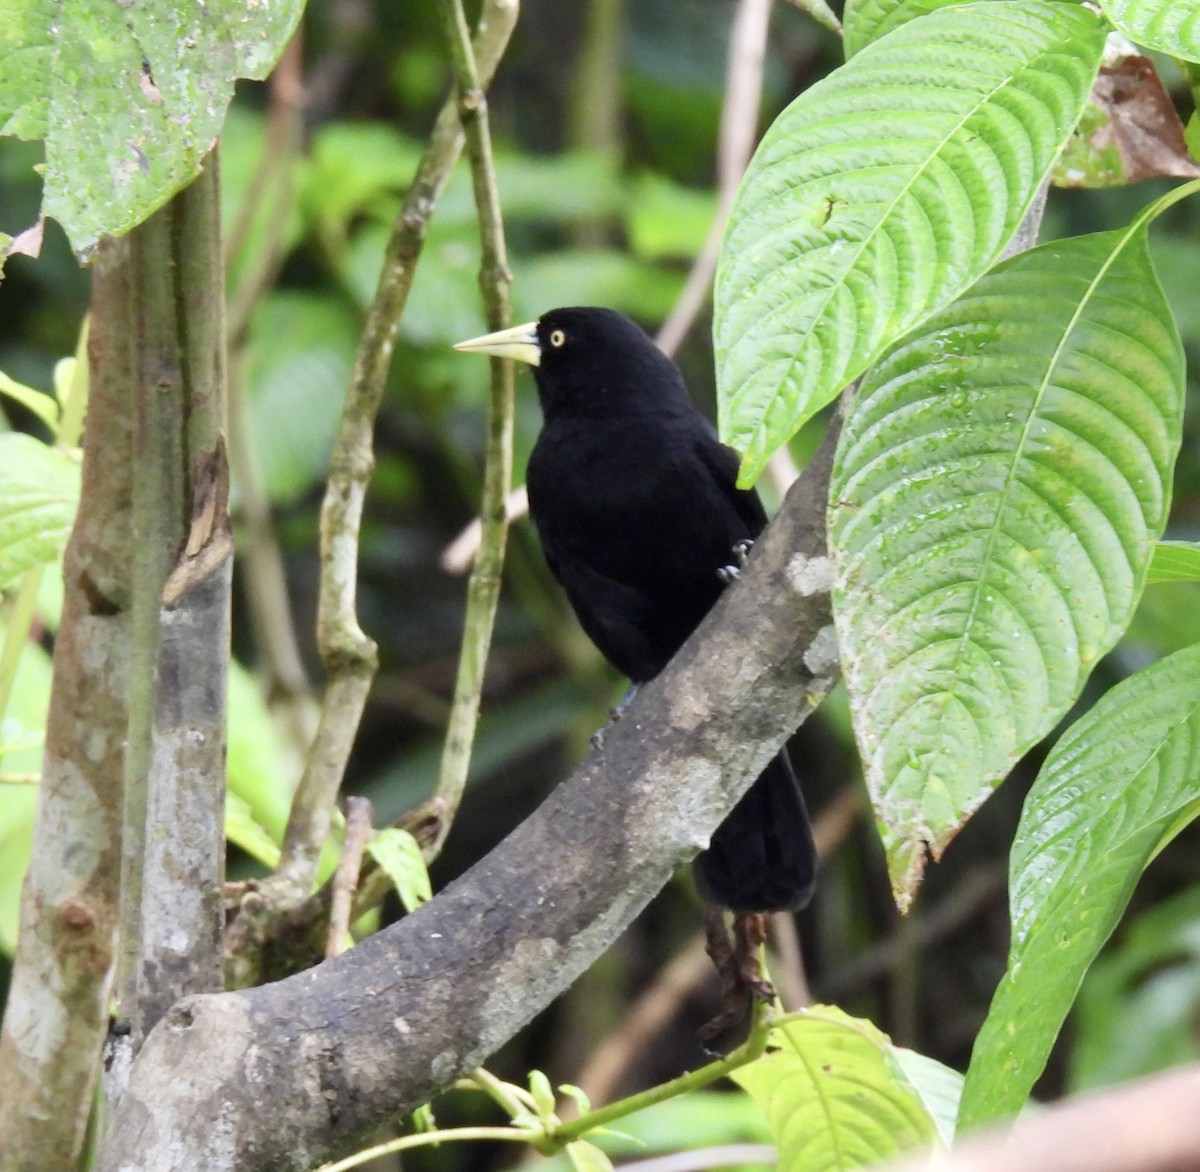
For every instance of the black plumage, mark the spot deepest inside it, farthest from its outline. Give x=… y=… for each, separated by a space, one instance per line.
x=636 y=505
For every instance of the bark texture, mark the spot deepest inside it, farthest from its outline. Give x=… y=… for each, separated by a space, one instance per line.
x=57 y=1010
x=290 y=1074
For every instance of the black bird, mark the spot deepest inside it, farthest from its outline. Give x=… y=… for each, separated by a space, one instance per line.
x=635 y=502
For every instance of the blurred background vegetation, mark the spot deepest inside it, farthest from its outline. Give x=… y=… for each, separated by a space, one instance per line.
x=606 y=116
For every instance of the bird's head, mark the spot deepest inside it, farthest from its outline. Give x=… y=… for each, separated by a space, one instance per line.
x=588 y=360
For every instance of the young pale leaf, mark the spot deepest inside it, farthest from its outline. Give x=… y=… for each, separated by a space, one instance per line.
x=1110 y=793
x=880 y=194
x=1002 y=480
x=542 y=1092
x=938 y=1086
x=43 y=406
x=1170 y=26
x=39 y=489
x=586 y=1157
x=398 y=853
x=129 y=97
x=242 y=830
x=833 y=1096
x=1175 y=561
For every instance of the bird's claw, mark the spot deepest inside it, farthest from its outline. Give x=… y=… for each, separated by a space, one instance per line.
x=741 y=552
x=738 y=965
x=597 y=738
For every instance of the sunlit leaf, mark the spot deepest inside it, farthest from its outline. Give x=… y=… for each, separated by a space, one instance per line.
x=397 y=852
x=938 y=1086
x=1002 y=480
x=880 y=194
x=39 y=490
x=1119 y=782
x=43 y=406
x=1170 y=26
x=586 y=1157
x=242 y=830
x=833 y=1096
x=21 y=734
x=129 y=97
x=864 y=21
x=542 y=1092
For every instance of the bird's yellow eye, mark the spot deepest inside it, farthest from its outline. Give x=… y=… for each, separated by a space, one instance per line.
x=557 y=338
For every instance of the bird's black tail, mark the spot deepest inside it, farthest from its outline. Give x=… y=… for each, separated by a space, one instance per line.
x=762 y=857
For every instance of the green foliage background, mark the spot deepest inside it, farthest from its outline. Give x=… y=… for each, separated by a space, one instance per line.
x=594 y=216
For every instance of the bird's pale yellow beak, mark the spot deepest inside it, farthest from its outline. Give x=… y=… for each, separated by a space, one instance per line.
x=519 y=342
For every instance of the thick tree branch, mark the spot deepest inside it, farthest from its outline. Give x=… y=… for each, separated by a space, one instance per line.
x=302 y=1070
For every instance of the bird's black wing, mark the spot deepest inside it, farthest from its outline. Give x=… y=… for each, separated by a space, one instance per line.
x=623 y=619
x=723 y=463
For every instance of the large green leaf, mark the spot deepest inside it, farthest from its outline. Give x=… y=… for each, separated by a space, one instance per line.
x=39 y=489
x=1002 y=480
x=865 y=21
x=1170 y=26
x=834 y=1094
x=129 y=97
x=880 y=194
x=1121 y=781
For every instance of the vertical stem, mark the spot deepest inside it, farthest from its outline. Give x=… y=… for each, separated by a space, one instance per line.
x=347 y=653
x=175 y=768
x=594 y=119
x=495 y=280
x=57 y=1011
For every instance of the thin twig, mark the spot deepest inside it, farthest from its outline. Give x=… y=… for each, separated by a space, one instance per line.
x=20 y=779
x=459 y=555
x=281 y=142
x=977 y=889
x=649 y=1015
x=285 y=681
x=495 y=282
x=735 y=142
x=295 y=940
x=658 y=1005
x=753 y=1047
x=348 y=655
x=739 y=127
x=285 y=94
x=788 y=970
x=345 y=879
